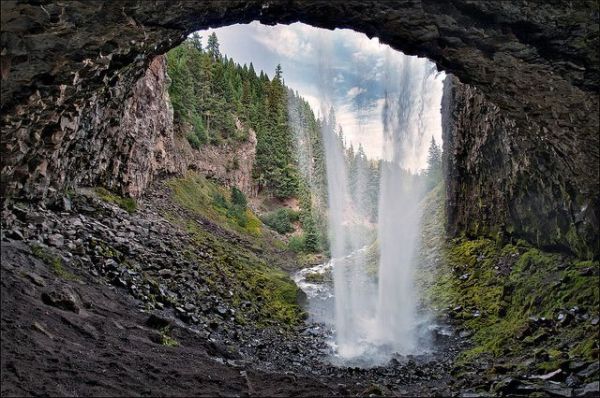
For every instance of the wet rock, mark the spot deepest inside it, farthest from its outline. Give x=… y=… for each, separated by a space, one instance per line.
x=576 y=365
x=564 y=318
x=463 y=334
x=506 y=386
x=67 y=204
x=589 y=390
x=556 y=390
x=473 y=394
x=221 y=310
x=157 y=322
x=15 y=234
x=572 y=381
x=56 y=240
x=62 y=298
x=591 y=370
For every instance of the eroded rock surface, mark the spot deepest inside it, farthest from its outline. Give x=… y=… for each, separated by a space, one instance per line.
x=501 y=183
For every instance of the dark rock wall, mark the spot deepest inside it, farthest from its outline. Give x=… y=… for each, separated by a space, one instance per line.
x=502 y=184
x=68 y=69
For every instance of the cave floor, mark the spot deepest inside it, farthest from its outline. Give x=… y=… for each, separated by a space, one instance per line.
x=75 y=322
x=97 y=301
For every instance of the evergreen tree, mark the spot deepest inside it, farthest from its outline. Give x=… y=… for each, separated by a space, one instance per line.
x=434 y=165
x=213 y=47
x=210 y=91
x=196 y=40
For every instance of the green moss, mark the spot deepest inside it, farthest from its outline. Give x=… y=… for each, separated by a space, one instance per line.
x=166 y=339
x=509 y=284
x=53 y=261
x=271 y=292
x=209 y=200
x=127 y=204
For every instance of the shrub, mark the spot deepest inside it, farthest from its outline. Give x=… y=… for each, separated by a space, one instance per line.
x=279 y=220
x=193 y=140
x=296 y=244
x=219 y=200
x=238 y=198
x=238 y=214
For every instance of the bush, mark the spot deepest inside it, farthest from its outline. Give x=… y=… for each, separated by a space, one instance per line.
x=238 y=214
x=220 y=201
x=296 y=244
x=238 y=198
x=311 y=241
x=279 y=220
x=193 y=140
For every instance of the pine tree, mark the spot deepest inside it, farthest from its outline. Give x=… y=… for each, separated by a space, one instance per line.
x=213 y=47
x=209 y=91
x=434 y=165
x=196 y=40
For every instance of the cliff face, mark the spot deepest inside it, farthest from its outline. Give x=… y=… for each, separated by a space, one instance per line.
x=231 y=164
x=502 y=184
x=124 y=146
x=70 y=71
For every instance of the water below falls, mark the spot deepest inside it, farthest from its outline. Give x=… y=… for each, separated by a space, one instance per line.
x=374 y=312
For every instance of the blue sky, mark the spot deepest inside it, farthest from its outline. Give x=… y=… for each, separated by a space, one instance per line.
x=339 y=68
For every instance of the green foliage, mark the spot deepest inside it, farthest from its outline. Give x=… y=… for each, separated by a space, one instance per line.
x=166 y=339
x=363 y=179
x=311 y=237
x=219 y=200
x=433 y=174
x=279 y=220
x=209 y=92
x=296 y=243
x=238 y=198
x=507 y=286
x=127 y=204
x=209 y=200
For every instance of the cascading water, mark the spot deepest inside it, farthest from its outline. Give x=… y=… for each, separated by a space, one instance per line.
x=375 y=318
x=399 y=210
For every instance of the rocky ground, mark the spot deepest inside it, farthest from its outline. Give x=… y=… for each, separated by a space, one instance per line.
x=97 y=300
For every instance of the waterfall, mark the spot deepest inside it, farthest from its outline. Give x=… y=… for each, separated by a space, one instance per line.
x=377 y=317
x=399 y=214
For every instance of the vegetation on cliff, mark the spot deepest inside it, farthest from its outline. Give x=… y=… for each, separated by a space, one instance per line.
x=216 y=96
x=528 y=311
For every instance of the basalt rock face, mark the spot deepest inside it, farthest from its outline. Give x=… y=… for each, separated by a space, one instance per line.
x=69 y=68
x=230 y=163
x=502 y=184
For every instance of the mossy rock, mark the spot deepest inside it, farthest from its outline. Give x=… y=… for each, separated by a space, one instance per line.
x=54 y=261
x=509 y=285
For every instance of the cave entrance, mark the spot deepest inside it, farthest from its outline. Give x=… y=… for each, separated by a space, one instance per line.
x=349 y=132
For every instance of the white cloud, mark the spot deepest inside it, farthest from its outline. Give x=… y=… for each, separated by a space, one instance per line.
x=286 y=41
x=354 y=91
